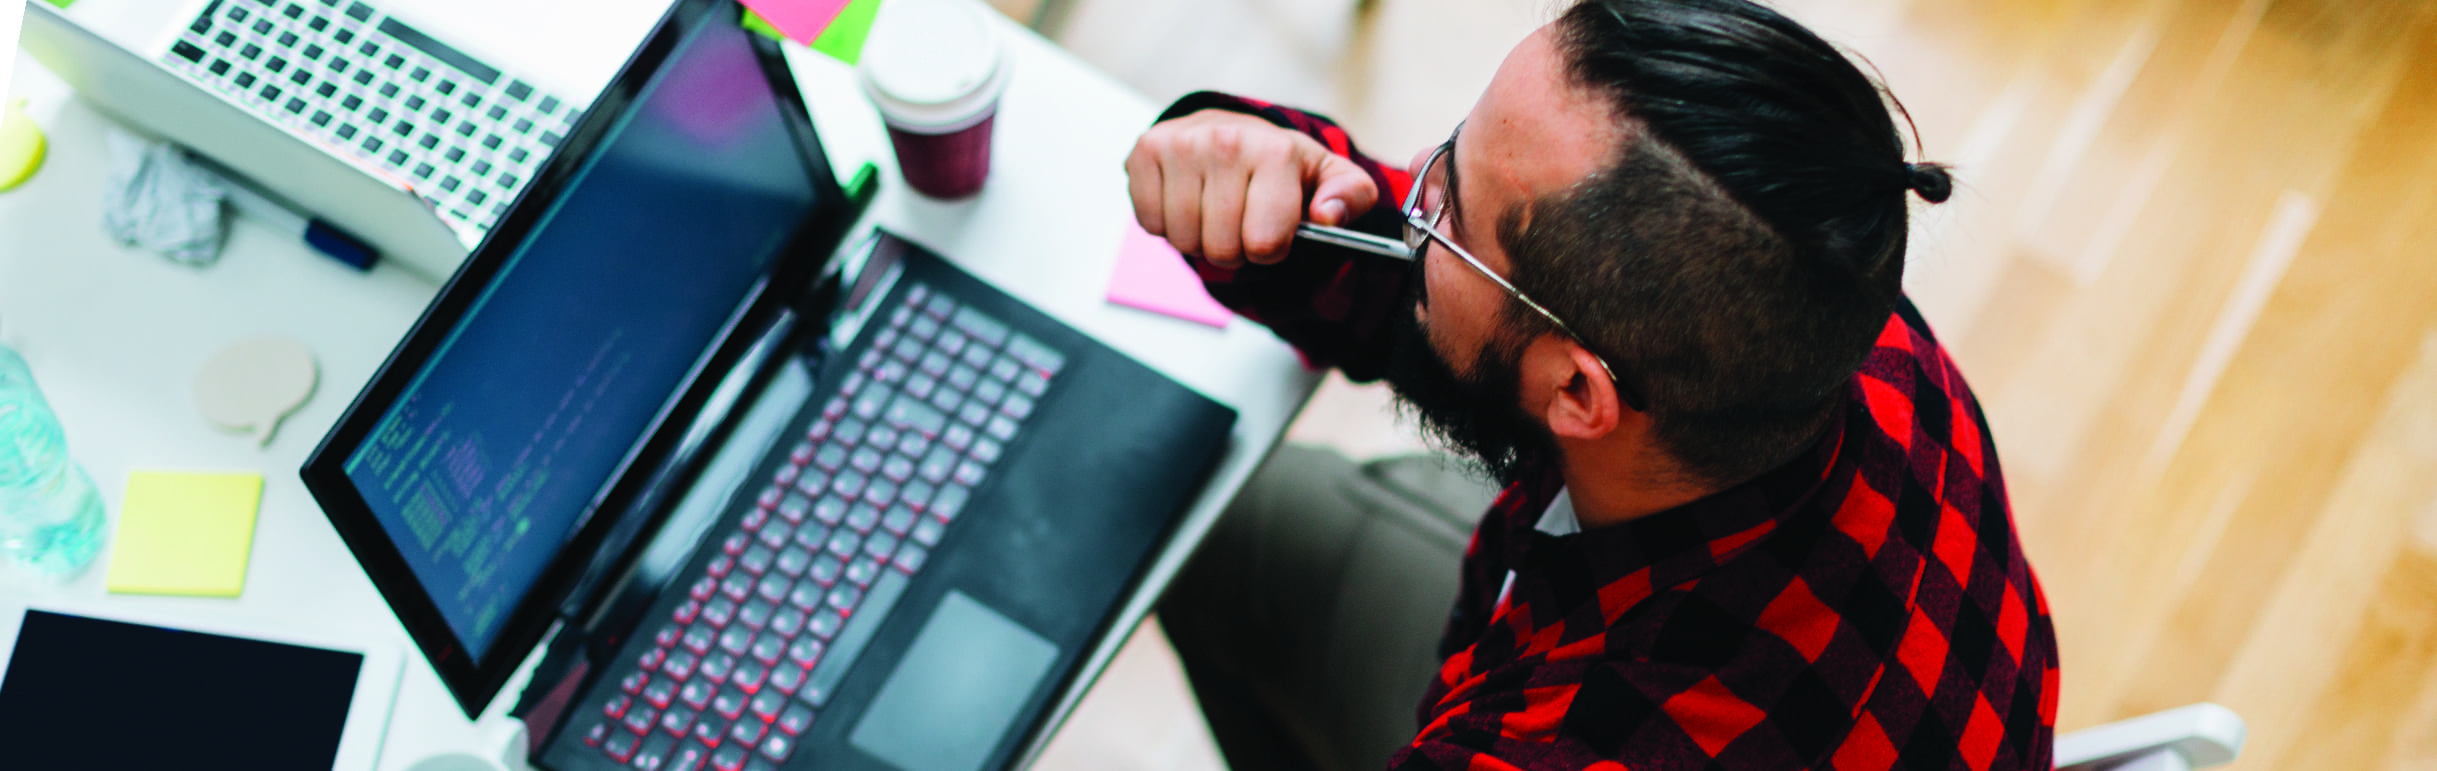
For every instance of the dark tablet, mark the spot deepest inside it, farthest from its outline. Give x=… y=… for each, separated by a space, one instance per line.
x=91 y=693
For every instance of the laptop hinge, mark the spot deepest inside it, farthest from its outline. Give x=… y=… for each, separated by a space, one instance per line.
x=556 y=680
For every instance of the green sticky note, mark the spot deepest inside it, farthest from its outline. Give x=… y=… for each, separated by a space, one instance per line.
x=62 y=4
x=184 y=533
x=844 y=38
x=755 y=23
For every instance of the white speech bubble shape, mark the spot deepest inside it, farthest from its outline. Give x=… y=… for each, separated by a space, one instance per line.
x=252 y=384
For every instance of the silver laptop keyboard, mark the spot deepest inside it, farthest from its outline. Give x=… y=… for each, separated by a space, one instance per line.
x=744 y=664
x=460 y=133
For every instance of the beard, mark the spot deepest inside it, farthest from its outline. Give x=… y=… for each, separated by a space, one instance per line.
x=1480 y=416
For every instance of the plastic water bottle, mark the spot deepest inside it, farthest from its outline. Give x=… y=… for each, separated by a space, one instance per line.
x=50 y=515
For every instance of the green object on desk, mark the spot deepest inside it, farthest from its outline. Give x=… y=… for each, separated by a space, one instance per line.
x=21 y=145
x=865 y=184
x=61 y=4
x=842 y=39
x=184 y=533
x=754 y=22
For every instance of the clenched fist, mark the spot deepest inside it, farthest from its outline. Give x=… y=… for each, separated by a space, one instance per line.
x=1231 y=187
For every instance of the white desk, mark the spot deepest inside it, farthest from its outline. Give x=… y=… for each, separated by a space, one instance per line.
x=115 y=336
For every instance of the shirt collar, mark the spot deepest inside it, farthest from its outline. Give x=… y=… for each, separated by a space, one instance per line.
x=1559 y=519
x=1675 y=545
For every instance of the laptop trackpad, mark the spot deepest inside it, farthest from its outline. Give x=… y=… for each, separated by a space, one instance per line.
x=968 y=673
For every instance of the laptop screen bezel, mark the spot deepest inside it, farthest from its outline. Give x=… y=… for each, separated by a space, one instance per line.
x=475 y=681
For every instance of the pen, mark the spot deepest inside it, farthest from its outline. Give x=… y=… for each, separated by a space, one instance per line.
x=1358 y=241
x=271 y=211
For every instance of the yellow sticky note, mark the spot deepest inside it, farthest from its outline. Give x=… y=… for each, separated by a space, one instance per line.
x=184 y=533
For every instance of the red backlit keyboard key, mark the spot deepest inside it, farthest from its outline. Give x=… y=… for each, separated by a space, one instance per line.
x=681 y=665
x=620 y=746
x=689 y=757
x=863 y=571
x=719 y=611
x=774 y=536
x=677 y=720
x=659 y=692
x=697 y=694
x=699 y=638
x=756 y=559
x=710 y=730
x=717 y=666
x=795 y=719
x=654 y=754
x=640 y=720
x=769 y=646
x=785 y=678
x=736 y=639
x=805 y=650
x=748 y=732
x=768 y=704
x=729 y=703
x=749 y=675
x=778 y=747
x=737 y=585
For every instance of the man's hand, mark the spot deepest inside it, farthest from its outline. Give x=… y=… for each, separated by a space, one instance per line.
x=1229 y=186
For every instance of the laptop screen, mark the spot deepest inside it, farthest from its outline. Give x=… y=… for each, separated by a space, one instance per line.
x=485 y=466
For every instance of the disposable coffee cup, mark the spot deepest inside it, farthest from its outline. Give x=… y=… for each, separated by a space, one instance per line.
x=936 y=68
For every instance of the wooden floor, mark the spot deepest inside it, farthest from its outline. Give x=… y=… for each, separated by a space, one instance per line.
x=2191 y=272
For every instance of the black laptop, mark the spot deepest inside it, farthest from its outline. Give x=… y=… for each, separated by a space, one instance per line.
x=777 y=501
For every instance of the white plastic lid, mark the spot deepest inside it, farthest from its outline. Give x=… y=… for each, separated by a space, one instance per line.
x=934 y=65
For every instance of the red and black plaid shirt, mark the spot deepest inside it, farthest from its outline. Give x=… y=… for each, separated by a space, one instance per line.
x=1862 y=608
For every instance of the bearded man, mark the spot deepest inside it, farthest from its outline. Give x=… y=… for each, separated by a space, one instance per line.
x=1748 y=514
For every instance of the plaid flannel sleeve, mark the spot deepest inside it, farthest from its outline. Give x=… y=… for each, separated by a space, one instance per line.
x=1330 y=304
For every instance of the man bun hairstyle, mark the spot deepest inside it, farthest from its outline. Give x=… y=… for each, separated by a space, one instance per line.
x=1746 y=247
x=1931 y=181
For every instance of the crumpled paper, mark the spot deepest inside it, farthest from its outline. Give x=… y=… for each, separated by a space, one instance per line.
x=160 y=201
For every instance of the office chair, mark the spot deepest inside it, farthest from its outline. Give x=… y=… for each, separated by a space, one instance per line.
x=2181 y=739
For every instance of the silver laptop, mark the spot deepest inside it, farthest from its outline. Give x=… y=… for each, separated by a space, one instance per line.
x=367 y=114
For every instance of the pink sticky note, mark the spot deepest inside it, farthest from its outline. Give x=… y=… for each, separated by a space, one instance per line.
x=1150 y=275
x=800 y=20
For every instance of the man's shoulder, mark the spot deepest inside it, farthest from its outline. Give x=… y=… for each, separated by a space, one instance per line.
x=1916 y=400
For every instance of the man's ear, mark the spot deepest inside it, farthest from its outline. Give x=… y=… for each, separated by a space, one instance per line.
x=1582 y=401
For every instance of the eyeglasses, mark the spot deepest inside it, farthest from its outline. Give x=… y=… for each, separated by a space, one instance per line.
x=1421 y=227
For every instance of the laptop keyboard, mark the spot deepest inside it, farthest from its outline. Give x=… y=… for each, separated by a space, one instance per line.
x=747 y=660
x=460 y=133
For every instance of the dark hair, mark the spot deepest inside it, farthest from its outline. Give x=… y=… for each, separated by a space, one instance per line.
x=1747 y=246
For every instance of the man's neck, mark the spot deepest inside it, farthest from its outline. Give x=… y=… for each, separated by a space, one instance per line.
x=1612 y=488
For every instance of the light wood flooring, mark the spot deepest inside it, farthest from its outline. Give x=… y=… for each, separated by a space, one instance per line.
x=2191 y=271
